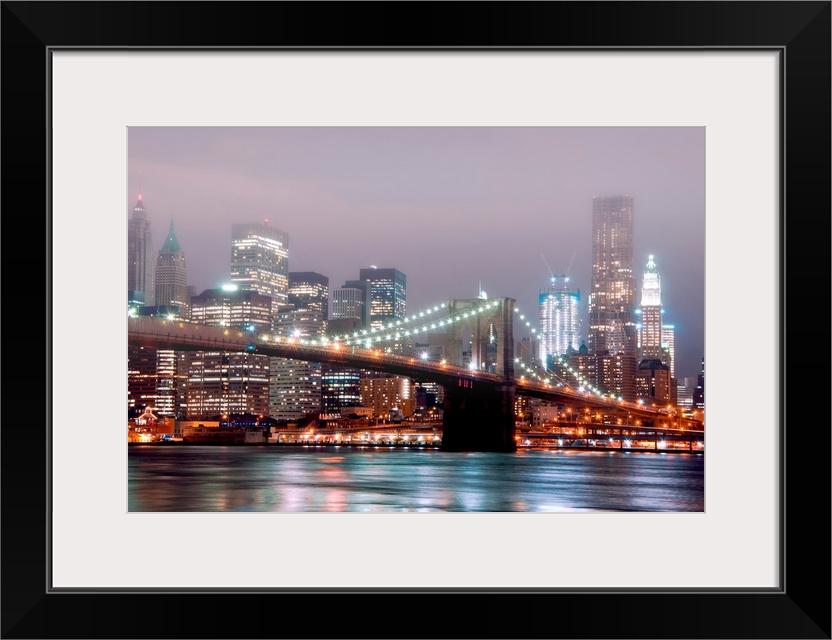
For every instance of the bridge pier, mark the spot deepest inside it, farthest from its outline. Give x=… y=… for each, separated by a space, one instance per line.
x=479 y=418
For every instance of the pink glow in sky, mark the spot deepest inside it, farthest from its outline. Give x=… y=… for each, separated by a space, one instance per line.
x=449 y=206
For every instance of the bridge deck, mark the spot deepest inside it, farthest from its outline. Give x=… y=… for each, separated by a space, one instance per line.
x=181 y=335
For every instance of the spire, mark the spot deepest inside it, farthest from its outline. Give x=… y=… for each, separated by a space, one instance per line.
x=651 y=266
x=171 y=243
x=139 y=211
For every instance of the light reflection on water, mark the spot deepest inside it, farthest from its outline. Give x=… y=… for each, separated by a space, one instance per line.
x=284 y=479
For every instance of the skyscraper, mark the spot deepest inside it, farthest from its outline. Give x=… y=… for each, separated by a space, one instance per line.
x=341 y=386
x=172 y=275
x=260 y=261
x=612 y=325
x=669 y=346
x=387 y=295
x=348 y=303
x=140 y=258
x=295 y=385
x=228 y=382
x=651 y=313
x=309 y=291
x=560 y=325
x=699 y=392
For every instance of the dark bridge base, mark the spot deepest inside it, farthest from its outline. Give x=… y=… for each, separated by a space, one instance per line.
x=479 y=419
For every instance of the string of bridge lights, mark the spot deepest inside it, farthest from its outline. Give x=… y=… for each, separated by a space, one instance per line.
x=402 y=328
x=399 y=329
x=584 y=383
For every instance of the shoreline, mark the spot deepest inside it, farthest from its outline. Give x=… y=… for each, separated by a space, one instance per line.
x=425 y=447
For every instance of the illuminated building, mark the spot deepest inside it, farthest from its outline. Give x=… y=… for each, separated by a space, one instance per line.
x=387 y=293
x=560 y=325
x=654 y=383
x=348 y=302
x=229 y=382
x=669 y=346
x=157 y=378
x=172 y=275
x=699 y=392
x=685 y=390
x=584 y=364
x=341 y=386
x=615 y=374
x=612 y=325
x=651 y=312
x=140 y=258
x=295 y=385
x=260 y=261
x=309 y=290
x=387 y=393
x=229 y=306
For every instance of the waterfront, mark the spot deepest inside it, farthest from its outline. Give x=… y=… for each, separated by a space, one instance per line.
x=386 y=479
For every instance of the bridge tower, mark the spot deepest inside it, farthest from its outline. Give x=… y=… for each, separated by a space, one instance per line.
x=479 y=415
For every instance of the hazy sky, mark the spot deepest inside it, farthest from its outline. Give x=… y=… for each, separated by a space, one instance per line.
x=449 y=206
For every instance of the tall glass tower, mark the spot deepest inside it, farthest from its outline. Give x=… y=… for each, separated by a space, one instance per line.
x=140 y=258
x=560 y=325
x=172 y=275
x=260 y=261
x=309 y=290
x=387 y=295
x=612 y=301
x=651 y=312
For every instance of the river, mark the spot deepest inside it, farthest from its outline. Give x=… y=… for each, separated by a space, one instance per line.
x=174 y=478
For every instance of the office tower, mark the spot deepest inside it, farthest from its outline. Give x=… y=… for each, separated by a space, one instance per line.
x=157 y=378
x=669 y=346
x=584 y=366
x=295 y=385
x=651 y=313
x=615 y=374
x=654 y=384
x=309 y=290
x=685 y=390
x=171 y=274
x=363 y=295
x=260 y=261
x=612 y=326
x=140 y=258
x=699 y=392
x=348 y=302
x=387 y=294
x=340 y=387
x=388 y=396
x=560 y=328
x=229 y=382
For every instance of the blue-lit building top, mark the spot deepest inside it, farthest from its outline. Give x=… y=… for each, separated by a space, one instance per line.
x=560 y=320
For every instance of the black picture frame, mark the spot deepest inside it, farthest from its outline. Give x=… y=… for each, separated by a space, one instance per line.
x=799 y=608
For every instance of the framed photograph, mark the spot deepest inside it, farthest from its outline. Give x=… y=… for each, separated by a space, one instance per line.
x=104 y=101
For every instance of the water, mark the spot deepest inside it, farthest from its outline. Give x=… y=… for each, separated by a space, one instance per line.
x=345 y=479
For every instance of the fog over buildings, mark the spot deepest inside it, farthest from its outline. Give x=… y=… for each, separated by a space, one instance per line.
x=451 y=208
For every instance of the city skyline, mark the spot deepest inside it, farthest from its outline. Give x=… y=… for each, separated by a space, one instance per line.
x=449 y=207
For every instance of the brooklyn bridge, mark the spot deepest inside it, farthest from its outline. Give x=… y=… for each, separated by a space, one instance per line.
x=479 y=398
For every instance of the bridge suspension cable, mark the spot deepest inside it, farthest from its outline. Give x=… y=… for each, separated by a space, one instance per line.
x=368 y=337
x=427 y=312
x=582 y=382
